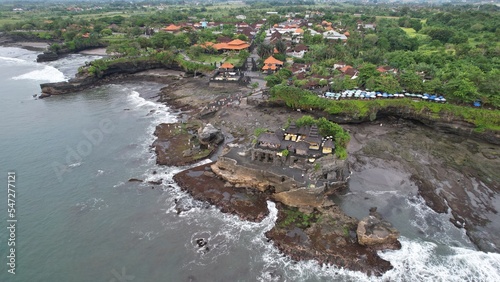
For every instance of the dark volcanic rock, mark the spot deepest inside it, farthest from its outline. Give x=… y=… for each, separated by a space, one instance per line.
x=135 y=180
x=177 y=144
x=324 y=233
x=47 y=56
x=210 y=135
x=451 y=172
x=206 y=187
x=83 y=82
x=328 y=236
x=377 y=233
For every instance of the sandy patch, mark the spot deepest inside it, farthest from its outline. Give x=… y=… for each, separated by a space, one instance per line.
x=96 y=52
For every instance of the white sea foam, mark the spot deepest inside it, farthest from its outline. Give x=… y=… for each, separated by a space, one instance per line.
x=156 y=112
x=14 y=60
x=48 y=73
x=376 y=193
x=426 y=261
x=75 y=164
x=434 y=226
x=148 y=235
x=92 y=204
x=418 y=260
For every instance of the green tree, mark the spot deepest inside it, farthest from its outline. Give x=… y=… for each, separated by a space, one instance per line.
x=388 y=83
x=280 y=46
x=242 y=37
x=349 y=83
x=461 y=90
x=106 y=32
x=433 y=86
x=284 y=74
x=265 y=50
x=411 y=82
x=400 y=59
x=366 y=72
x=440 y=33
x=272 y=80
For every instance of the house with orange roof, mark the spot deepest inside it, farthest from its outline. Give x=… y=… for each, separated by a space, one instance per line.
x=387 y=69
x=271 y=64
x=234 y=45
x=226 y=66
x=172 y=28
x=350 y=71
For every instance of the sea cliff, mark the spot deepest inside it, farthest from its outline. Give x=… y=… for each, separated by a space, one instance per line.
x=85 y=80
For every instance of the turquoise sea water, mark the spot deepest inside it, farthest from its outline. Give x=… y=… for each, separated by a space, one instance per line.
x=79 y=219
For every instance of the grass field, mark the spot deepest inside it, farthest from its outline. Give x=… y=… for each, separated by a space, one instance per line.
x=412 y=33
x=10 y=18
x=206 y=58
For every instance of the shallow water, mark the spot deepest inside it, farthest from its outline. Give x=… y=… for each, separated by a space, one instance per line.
x=79 y=219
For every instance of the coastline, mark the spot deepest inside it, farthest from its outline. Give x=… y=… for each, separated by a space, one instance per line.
x=237 y=121
x=28 y=45
x=205 y=183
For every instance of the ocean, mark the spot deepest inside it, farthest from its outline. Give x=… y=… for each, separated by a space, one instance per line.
x=80 y=219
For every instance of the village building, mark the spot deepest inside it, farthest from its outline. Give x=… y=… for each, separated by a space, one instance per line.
x=297 y=68
x=303 y=144
x=333 y=35
x=275 y=37
x=350 y=71
x=367 y=26
x=257 y=25
x=339 y=65
x=172 y=28
x=227 y=73
x=234 y=45
x=249 y=32
x=272 y=65
x=387 y=70
x=298 y=51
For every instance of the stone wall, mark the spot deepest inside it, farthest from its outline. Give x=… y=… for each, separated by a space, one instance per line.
x=245 y=176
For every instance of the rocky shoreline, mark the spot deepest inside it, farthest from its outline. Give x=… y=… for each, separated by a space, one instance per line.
x=308 y=220
x=322 y=233
x=237 y=122
x=84 y=81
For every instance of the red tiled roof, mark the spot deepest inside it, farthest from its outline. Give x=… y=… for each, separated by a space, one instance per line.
x=236 y=42
x=344 y=69
x=272 y=60
x=269 y=67
x=226 y=66
x=172 y=27
x=233 y=45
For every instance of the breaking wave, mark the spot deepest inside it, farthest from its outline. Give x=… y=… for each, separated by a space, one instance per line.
x=48 y=73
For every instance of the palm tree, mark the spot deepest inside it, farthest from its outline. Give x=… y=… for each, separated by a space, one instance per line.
x=265 y=50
